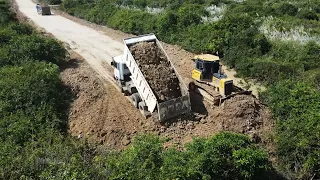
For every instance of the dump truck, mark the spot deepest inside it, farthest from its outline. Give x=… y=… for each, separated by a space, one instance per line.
x=43 y=10
x=134 y=79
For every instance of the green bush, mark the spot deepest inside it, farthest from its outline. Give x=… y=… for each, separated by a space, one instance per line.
x=22 y=29
x=5 y=36
x=167 y=23
x=286 y=8
x=309 y=15
x=223 y=156
x=141 y=161
x=53 y=1
x=133 y=22
x=29 y=48
x=101 y=12
x=190 y=14
x=6 y=16
x=311 y=56
x=33 y=91
x=50 y=156
x=297 y=110
x=271 y=71
x=317 y=80
x=33 y=105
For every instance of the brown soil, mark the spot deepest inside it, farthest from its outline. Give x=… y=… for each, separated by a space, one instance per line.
x=157 y=70
x=243 y=114
x=101 y=113
x=206 y=119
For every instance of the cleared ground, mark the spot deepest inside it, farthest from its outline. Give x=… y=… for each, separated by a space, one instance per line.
x=101 y=113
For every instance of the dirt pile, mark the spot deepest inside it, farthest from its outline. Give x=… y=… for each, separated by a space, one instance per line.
x=93 y=113
x=102 y=114
x=244 y=114
x=157 y=70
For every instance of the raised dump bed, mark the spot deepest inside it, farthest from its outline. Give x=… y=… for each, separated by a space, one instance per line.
x=153 y=78
x=157 y=70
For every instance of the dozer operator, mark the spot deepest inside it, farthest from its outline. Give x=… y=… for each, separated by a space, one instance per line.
x=208 y=71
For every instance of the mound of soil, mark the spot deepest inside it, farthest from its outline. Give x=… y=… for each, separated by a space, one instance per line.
x=244 y=114
x=157 y=70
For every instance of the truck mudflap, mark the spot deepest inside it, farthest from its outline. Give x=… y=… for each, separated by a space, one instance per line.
x=174 y=107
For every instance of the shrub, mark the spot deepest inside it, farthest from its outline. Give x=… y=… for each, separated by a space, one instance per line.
x=141 y=161
x=190 y=14
x=22 y=29
x=31 y=98
x=133 y=22
x=286 y=8
x=308 y=15
x=296 y=108
x=223 y=156
x=5 y=15
x=167 y=23
x=311 y=55
x=5 y=36
x=28 y=48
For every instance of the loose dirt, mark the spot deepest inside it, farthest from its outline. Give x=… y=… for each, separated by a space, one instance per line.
x=157 y=70
x=243 y=114
x=101 y=113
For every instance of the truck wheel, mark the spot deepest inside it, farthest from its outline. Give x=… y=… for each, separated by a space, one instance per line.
x=142 y=106
x=144 y=109
x=192 y=86
x=126 y=93
x=134 y=90
x=135 y=99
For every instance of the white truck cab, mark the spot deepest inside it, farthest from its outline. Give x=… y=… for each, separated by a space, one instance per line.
x=121 y=71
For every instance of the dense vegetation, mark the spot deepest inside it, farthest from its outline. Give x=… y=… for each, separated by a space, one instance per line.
x=224 y=156
x=251 y=26
x=53 y=2
x=34 y=143
x=274 y=42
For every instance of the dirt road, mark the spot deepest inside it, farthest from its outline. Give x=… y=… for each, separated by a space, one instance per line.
x=92 y=45
x=101 y=113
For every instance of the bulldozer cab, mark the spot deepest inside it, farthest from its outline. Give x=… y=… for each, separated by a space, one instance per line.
x=205 y=67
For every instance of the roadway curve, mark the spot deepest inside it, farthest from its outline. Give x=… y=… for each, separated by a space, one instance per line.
x=95 y=47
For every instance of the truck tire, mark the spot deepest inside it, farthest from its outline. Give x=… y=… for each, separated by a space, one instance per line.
x=135 y=99
x=192 y=86
x=134 y=90
x=143 y=108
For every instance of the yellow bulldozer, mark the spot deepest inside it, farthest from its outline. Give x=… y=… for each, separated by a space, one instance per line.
x=211 y=82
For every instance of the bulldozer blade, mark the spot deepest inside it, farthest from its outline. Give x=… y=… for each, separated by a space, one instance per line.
x=215 y=99
x=244 y=92
x=212 y=99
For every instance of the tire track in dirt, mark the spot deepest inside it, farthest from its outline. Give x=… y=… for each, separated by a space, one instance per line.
x=101 y=113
